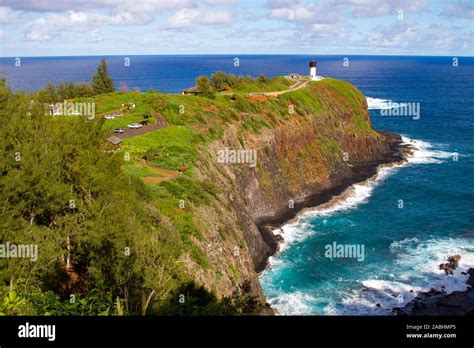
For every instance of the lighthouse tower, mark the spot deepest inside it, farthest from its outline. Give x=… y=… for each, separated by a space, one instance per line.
x=312 y=69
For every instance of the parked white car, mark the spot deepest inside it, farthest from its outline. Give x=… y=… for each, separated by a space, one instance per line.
x=135 y=125
x=109 y=117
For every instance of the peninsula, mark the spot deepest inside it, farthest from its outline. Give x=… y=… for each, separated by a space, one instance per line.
x=148 y=210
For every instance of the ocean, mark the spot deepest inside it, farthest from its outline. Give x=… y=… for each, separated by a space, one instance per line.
x=407 y=220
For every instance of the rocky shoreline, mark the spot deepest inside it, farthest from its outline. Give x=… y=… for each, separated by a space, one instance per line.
x=437 y=302
x=431 y=303
x=362 y=171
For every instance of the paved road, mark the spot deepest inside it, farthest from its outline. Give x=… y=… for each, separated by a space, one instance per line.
x=128 y=132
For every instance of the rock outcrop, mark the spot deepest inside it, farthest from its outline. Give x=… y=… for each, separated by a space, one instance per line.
x=436 y=302
x=451 y=265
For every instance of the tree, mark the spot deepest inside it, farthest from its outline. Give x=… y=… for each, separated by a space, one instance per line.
x=4 y=91
x=101 y=81
x=205 y=87
x=219 y=81
x=262 y=78
x=84 y=90
x=51 y=93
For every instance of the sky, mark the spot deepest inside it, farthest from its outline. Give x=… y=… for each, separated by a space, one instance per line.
x=133 y=27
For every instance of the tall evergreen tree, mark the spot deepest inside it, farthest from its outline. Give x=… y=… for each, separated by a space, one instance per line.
x=101 y=81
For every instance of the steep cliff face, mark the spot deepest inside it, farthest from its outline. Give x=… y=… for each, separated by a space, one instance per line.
x=313 y=143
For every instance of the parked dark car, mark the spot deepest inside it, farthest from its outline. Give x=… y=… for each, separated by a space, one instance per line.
x=144 y=122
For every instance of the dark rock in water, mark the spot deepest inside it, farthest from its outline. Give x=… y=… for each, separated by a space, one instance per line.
x=377 y=305
x=436 y=302
x=463 y=273
x=454 y=259
x=451 y=265
x=279 y=238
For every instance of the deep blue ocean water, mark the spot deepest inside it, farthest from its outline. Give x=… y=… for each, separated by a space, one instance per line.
x=402 y=246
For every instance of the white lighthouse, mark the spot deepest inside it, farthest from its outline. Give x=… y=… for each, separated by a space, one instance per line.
x=312 y=70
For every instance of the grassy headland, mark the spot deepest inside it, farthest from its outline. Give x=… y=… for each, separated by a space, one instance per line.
x=123 y=243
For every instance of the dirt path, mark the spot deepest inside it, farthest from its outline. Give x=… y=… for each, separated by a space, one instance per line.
x=165 y=174
x=296 y=86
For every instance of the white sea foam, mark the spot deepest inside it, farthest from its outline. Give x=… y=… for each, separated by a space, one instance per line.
x=297 y=231
x=419 y=260
x=393 y=287
x=424 y=152
x=423 y=259
x=292 y=303
x=355 y=195
x=382 y=104
x=418 y=271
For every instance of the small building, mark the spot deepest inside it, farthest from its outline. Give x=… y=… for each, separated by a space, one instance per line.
x=128 y=106
x=114 y=140
x=294 y=76
x=191 y=91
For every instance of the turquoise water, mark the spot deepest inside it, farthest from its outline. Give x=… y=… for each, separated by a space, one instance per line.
x=409 y=219
x=402 y=247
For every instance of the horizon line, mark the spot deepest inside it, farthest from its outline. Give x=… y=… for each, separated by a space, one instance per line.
x=235 y=54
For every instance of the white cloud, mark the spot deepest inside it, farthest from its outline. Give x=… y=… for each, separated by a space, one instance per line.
x=221 y=2
x=330 y=31
x=330 y=11
x=51 y=26
x=186 y=18
x=282 y=3
x=373 y=8
x=6 y=15
x=40 y=31
x=78 y=5
x=324 y=20
x=297 y=13
x=96 y=35
x=408 y=36
x=460 y=9
x=324 y=11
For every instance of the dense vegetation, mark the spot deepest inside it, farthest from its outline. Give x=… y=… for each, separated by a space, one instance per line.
x=222 y=82
x=103 y=246
x=108 y=242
